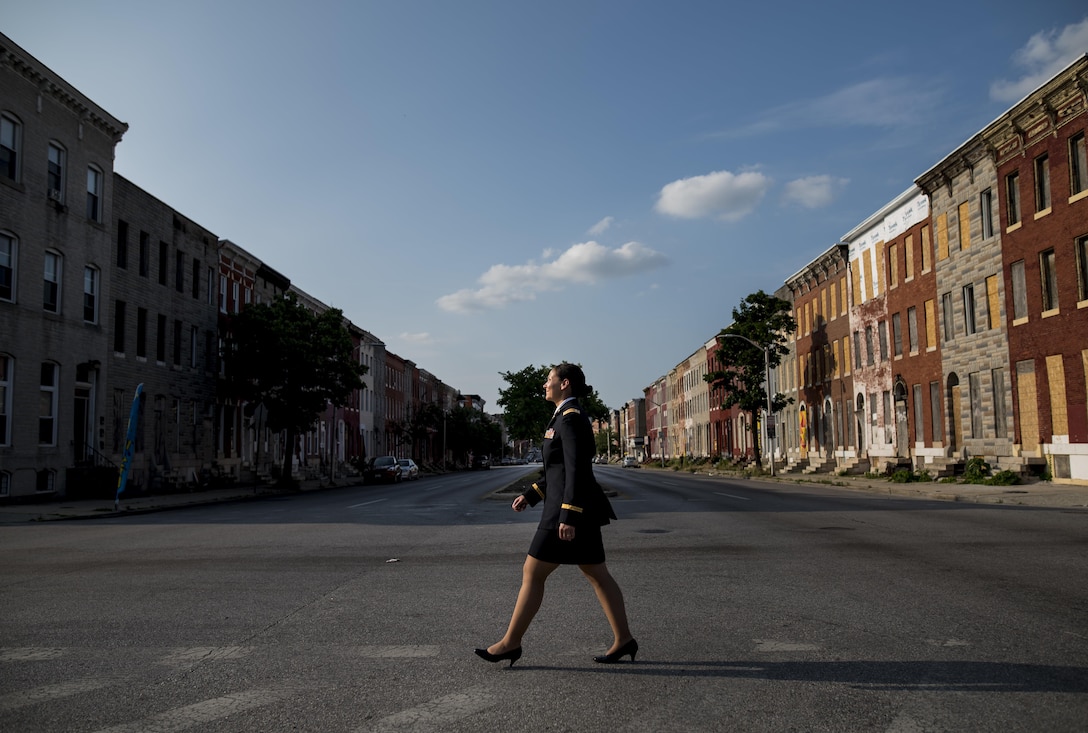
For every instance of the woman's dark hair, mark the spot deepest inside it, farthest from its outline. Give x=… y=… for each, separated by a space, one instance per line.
x=577 y=378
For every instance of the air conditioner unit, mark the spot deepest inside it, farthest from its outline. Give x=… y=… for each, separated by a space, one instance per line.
x=55 y=195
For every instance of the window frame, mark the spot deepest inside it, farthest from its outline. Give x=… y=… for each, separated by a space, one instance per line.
x=95 y=182
x=90 y=297
x=52 y=287
x=1013 y=210
x=986 y=212
x=1043 y=199
x=14 y=150
x=1048 y=280
x=1080 y=247
x=970 y=323
x=1078 y=165
x=56 y=181
x=11 y=243
x=48 y=393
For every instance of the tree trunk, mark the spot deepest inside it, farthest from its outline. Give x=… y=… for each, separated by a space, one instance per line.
x=286 y=478
x=755 y=422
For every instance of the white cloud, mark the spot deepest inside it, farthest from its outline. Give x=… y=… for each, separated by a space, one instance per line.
x=416 y=338
x=890 y=102
x=725 y=195
x=814 y=191
x=1045 y=54
x=600 y=227
x=584 y=264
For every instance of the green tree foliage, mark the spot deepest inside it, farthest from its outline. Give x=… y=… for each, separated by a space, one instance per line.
x=471 y=431
x=294 y=362
x=766 y=320
x=527 y=413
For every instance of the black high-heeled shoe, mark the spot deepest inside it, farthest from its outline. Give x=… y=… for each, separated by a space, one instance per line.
x=630 y=647
x=513 y=655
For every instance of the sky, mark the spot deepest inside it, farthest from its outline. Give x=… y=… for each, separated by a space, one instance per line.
x=487 y=185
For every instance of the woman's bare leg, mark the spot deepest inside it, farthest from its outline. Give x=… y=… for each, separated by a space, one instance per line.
x=611 y=598
x=533 y=575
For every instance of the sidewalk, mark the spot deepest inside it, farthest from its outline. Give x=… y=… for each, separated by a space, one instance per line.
x=1037 y=494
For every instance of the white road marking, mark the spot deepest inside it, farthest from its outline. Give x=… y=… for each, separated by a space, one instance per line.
x=365 y=503
x=439 y=713
x=731 y=496
x=198 y=714
x=47 y=693
x=769 y=645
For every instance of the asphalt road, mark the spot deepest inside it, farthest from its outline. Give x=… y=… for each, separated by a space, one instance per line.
x=758 y=607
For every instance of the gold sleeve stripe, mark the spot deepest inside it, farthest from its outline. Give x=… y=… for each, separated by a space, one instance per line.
x=537 y=489
x=573 y=508
x=575 y=410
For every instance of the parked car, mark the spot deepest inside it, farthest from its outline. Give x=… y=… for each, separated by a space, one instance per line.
x=409 y=469
x=384 y=469
x=629 y=462
x=481 y=463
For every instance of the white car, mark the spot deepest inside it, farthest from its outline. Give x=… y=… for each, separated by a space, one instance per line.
x=408 y=468
x=629 y=462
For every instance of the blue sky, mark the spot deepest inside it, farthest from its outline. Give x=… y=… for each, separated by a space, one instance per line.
x=489 y=185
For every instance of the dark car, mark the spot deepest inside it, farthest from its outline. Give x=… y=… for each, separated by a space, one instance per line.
x=385 y=469
x=481 y=463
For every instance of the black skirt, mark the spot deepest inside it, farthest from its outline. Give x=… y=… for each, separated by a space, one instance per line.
x=587 y=547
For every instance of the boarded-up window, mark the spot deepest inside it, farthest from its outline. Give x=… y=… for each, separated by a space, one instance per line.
x=935 y=410
x=993 y=302
x=927 y=250
x=942 y=237
x=1059 y=414
x=965 y=225
x=997 y=378
x=1019 y=290
x=908 y=251
x=931 y=324
x=893 y=265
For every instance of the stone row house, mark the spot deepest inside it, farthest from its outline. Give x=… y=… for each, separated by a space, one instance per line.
x=952 y=323
x=104 y=287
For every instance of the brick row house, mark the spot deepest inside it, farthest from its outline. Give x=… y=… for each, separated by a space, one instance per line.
x=104 y=287
x=950 y=324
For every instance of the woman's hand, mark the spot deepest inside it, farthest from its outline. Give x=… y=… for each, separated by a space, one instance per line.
x=566 y=532
x=519 y=504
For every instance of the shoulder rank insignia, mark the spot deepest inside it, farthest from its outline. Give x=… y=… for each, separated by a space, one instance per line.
x=569 y=410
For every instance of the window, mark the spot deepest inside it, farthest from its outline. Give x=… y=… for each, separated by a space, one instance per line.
x=1042 y=184
x=974 y=381
x=919 y=414
x=1049 y=280
x=1078 y=165
x=45 y=481
x=869 y=360
x=969 y=325
x=7 y=267
x=882 y=338
x=897 y=334
x=164 y=257
x=893 y=265
x=119 y=326
x=6 y=368
x=993 y=303
x=997 y=380
x=145 y=254
x=52 y=275
x=931 y=324
x=141 y=332
x=54 y=174
x=5 y=483
x=1019 y=290
x=986 y=211
x=11 y=133
x=927 y=250
x=90 y=295
x=160 y=339
x=935 y=410
x=192 y=346
x=122 y=244
x=47 y=410
x=1081 y=247
x=912 y=329
x=94 y=194
x=887 y=398
x=964 y=219
x=196 y=278
x=908 y=252
x=946 y=315
x=1012 y=197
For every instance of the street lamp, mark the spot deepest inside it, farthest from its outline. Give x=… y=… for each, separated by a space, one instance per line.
x=767 y=375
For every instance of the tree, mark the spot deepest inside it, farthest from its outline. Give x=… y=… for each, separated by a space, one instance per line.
x=294 y=362
x=527 y=413
x=766 y=320
x=471 y=431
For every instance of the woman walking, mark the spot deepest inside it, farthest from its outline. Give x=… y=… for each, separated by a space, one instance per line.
x=569 y=533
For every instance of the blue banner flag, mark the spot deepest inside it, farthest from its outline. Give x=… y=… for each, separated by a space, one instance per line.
x=130 y=442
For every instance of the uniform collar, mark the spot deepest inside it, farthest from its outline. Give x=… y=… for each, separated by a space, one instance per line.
x=560 y=405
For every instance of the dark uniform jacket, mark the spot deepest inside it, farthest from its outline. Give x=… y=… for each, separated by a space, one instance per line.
x=570 y=492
